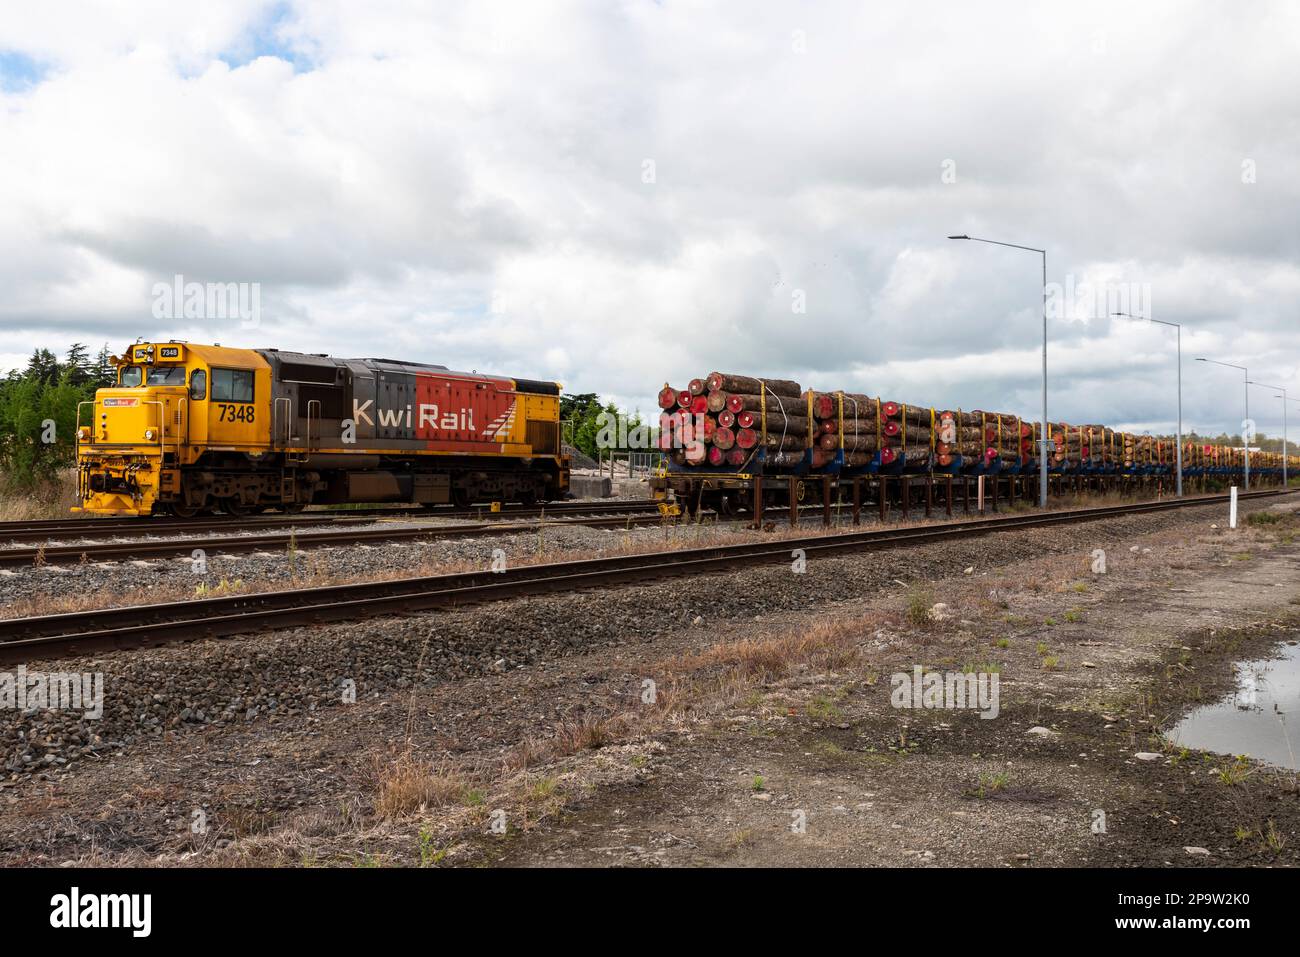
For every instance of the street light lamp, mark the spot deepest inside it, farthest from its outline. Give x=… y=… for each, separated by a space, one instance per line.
x=1283 y=398
x=1178 y=327
x=1042 y=448
x=1245 y=439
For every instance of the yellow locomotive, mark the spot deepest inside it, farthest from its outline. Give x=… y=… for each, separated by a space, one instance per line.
x=191 y=429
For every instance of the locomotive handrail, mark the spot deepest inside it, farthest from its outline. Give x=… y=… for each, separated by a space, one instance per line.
x=162 y=424
x=310 y=403
x=288 y=419
x=77 y=428
x=183 y=412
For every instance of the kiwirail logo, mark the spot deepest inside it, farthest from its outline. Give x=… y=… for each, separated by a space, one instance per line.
x=179 y=299
x=24 y=690
x=951 y=690
x=74 y=910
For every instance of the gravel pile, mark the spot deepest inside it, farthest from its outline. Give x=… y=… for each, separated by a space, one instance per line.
x=178 y=574
x=297 y=671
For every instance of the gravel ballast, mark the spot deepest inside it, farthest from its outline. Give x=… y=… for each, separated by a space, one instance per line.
x=260 y=678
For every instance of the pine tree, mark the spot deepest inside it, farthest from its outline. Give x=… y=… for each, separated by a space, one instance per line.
x=43 y=366
x=78 y=364
x=105 y=371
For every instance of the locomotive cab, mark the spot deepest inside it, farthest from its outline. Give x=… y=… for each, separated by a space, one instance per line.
x=133 y=430
x=170 y=400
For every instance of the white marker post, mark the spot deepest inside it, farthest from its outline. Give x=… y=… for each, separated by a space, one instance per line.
x=981 y=494
x=1232 y=507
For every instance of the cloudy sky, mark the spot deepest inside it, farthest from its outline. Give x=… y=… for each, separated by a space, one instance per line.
x=616 y=194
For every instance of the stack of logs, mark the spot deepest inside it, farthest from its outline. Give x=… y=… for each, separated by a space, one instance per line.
x=724 y=420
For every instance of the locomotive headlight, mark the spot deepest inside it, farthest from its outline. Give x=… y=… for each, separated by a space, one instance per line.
x=150 y=435
x=83 y=433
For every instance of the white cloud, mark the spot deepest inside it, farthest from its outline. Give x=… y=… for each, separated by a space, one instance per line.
x=466 y=187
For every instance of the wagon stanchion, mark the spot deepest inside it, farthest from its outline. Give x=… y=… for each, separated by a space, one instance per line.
x=758 y=502
x=792 y=483
x=881 y=485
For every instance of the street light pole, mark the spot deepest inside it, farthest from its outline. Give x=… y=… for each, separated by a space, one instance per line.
x=1245 y=439
x=1179 y=329
x=1283 y=398
x=1043 y=438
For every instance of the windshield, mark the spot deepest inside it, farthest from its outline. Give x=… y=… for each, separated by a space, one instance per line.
x=131 y=376
x=166 y=375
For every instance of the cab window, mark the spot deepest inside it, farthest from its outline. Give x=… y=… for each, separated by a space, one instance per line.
x=232 y=385
x=166 y=375
x=131 y=377
x=199 y=384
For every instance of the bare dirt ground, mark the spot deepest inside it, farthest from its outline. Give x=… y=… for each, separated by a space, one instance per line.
x=754 y=731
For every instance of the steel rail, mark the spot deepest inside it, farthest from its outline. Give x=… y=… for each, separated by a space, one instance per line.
x=52 y=529
x=139 y=549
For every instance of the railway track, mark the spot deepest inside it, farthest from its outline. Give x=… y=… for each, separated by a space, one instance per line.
x=230 y=544
x=147 y=625
x=51 y=530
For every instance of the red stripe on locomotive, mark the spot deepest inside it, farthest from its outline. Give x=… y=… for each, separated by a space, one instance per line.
x=457 y=415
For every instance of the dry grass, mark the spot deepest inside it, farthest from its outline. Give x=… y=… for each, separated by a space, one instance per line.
x=589 y=733
x=406 y=784
x=826 y=646
x=455 y=794
x=50 y=500
x=697 y=684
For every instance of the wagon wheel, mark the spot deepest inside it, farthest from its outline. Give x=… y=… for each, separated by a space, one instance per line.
x=461 y=498
x=234 y=507
x=183 y=510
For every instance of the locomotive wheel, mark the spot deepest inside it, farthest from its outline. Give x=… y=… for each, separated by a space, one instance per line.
x=461 y=498
x=234 y=507
x=293 y=508
x=527 y=498
x=183 y=511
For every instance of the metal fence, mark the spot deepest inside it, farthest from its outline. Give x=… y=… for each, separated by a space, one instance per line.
x=630 y=464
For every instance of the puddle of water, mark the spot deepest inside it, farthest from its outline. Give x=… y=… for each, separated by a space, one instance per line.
x=1257 y=718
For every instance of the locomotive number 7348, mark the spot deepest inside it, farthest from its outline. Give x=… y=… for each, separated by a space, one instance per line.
x=234 y=413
